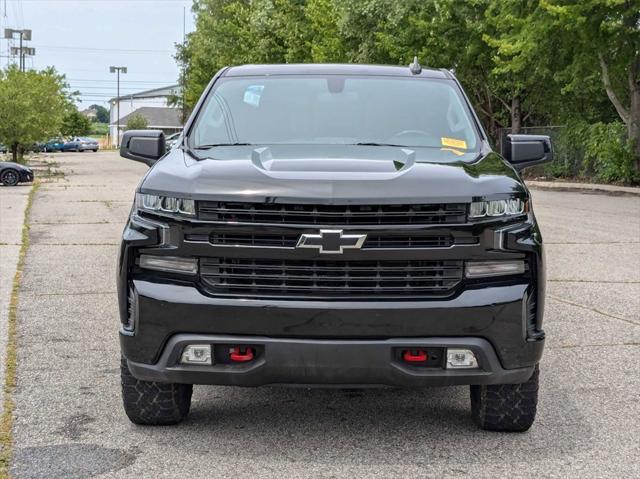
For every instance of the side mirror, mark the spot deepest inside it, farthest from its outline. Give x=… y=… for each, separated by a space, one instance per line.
x=523 y=151
x=146 y=146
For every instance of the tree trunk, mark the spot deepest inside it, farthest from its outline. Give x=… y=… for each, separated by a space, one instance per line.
x=14 y=152
x=633 y=125
x=516 y=115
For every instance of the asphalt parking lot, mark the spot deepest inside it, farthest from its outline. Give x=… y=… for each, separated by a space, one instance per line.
x=69 y=423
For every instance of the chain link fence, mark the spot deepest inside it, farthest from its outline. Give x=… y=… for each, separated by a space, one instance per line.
x=569 y=158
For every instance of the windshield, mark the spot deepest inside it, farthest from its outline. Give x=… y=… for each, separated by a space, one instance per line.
x=335 y=109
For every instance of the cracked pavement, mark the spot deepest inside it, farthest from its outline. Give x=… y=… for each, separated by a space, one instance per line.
x=69 y=422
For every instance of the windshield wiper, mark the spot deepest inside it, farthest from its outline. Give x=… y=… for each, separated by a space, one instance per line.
x=206 y=147
x=373 y=143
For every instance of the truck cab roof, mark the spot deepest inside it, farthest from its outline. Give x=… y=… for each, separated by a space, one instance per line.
x=333 y=69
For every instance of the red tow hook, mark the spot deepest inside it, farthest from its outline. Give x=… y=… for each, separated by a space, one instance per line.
x=415 y=356
x=241 y=354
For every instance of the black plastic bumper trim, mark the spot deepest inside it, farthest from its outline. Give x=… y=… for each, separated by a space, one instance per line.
x=327 y=363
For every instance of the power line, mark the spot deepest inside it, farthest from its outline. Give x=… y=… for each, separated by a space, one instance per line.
x=101 y=70
x=103 y=88
x=94 y=80
x=107 y=94
x=95 y=49
x=104 y=1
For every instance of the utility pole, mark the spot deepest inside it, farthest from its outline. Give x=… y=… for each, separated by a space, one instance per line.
x=22 y=51
x=183 y=80
x=118 y=70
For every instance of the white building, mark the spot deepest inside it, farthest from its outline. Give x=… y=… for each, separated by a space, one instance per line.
x=153 y=105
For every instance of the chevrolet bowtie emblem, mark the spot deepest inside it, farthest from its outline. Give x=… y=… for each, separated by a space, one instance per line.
x=331 y=241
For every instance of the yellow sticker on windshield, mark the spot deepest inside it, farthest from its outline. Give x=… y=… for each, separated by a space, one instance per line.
x=453 y=142
x=456 y=152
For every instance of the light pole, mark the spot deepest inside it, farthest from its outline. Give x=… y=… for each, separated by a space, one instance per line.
x=118 y=70
x=24 y=35
x=23 y=53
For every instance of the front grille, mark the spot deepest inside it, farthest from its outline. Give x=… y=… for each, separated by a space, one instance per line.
x=330 y=279
x=290 y=240
x=441 y=213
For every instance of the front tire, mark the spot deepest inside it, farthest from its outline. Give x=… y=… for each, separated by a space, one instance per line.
x=153 y=404
x=10 y=178
x=506 y=407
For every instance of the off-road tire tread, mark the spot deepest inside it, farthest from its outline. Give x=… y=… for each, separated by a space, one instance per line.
x=506 y=407
x=151 y=403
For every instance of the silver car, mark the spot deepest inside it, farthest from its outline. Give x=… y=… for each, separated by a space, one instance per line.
x=81 y=144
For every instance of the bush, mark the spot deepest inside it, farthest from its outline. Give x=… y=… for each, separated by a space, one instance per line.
x=569 y=149
x=608 y=154
x=137 y=122
x=597 y=152
x=99 y=129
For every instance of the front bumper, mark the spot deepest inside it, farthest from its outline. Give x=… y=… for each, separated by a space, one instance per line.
x=341 y=363
x=26 y=176
x=494 y=314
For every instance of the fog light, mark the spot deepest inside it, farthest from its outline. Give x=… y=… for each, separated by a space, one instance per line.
x=461 y=359
x=481 y=269
x=171 y=264
x=196 y=354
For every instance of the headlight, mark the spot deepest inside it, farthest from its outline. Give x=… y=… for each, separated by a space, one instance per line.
x=495 y=208
x=165 y=204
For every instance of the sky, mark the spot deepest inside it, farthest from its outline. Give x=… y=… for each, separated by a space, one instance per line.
x=83 y=38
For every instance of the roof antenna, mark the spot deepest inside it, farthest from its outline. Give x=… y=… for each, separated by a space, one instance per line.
x=415 y=67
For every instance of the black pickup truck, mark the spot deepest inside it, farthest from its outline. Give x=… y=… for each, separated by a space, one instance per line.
x=333 y=226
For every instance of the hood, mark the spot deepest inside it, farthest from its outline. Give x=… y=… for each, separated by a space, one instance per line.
x=15 y=166
x=333 y=174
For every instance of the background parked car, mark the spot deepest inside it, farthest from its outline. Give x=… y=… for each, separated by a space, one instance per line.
x=12 y=173
x=55 y=144
x=35 y=148
x=81 y=144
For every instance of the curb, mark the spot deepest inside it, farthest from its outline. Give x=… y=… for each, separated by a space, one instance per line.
x=588 y=188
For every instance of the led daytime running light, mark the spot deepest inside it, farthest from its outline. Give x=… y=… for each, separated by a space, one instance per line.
x=496 y=208
x=165 y=204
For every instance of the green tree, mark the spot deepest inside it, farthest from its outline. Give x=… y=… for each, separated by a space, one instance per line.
x=232 y=32
x=222 y=37
x=522 y=55
x=605 y=39
x=136 y=122
x=522 y=62
x=325 y=42
x=75 y=123
x=32 y=106
x=102 y=114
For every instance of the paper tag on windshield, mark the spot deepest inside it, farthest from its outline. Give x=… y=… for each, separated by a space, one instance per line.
x=252 y=95
x=452 y=142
